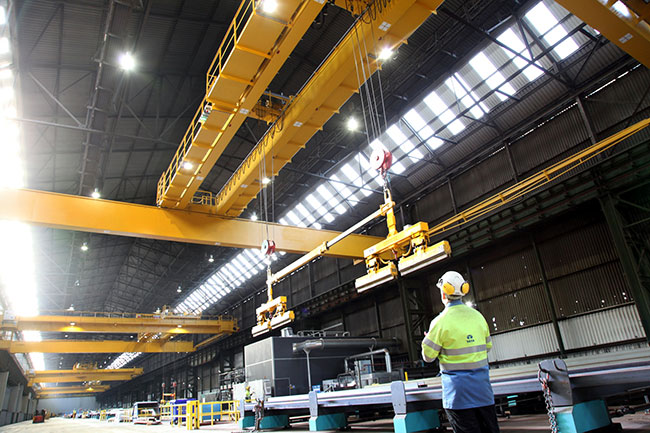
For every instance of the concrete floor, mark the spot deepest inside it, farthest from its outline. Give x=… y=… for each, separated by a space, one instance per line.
x=636 y=423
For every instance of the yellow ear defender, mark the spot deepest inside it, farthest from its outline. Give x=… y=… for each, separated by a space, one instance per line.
x=465 y=288
x=448 y=289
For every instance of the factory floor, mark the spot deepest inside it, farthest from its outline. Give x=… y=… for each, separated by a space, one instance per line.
x=635 y=423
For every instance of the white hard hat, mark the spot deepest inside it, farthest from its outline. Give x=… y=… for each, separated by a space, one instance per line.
x=453 y=284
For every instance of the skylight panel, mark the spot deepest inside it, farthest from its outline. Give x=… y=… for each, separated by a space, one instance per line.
x=343 y=190
x=398 y=167
x=469 y=100
x=340 y=209
x=305 y=213
x=377 y=144
x=415 y=120
x=317 y=226
x=352 y=174
x=314 y=202
x=293 y=218
x=435 y=104
x=493 y=78
x=327 y=195
x=397 y=135
x=328 y=217
x=456 y=126
x=551 y=30
x=510 y=39
x=252 y=256
x=283 y=222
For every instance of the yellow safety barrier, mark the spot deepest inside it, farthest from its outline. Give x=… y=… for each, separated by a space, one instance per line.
x=165 y=412
x=194 y=414
x=102 y=415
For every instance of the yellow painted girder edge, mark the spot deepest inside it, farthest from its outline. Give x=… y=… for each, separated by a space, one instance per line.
x=86 y=214
x=47 y=323
x=319 y=85
x=107 y=346
x=630 y=34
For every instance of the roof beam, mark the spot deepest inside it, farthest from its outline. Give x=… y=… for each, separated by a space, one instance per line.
x=86 y=214
x=106 y=346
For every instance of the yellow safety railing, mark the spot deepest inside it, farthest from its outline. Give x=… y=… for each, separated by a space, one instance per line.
x=165 y=412
x=215 y=411
x=178 y=158
x=206 y=198
x=244 y=13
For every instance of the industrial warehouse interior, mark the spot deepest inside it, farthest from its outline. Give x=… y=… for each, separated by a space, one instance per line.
x=323 y=215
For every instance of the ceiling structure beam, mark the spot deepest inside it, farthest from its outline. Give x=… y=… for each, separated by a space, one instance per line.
x=146 y=323
x=86 y=214
x=83 y=375
x=105 y=346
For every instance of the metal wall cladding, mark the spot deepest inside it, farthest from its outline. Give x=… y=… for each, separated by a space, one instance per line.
x=543 y=144
x=526 y=342
x=516 y=309
x=398 y=332
x=362 y=322
x=482 y=178
x=604 y=327
x=351 y=272
x=435 y=204
x=325 y=284
x=595 y=288
x=618 y=101
x=577 y=249
x=496 y=276
x=324 y=267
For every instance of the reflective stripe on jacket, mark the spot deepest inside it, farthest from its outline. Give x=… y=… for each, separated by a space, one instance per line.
x=459 y=337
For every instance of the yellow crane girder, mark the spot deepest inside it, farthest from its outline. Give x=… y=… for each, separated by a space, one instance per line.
x=72 y=389
x=126 y=219
x=335 y=81
x=127 y=325
x=76 y=375
x=630 y=32
x=106 y=346
x=255 y=47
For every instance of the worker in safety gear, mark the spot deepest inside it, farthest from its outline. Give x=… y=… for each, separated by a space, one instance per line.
x=460 y=338
x=248 y=393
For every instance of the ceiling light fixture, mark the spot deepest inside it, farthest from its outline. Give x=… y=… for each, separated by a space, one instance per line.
x=72 y=323
x=269 y=6
x=254 y=217
x=179 y=289
x=266 y=181
x=127 y=62
x=385 y=54
x=211 y=259
x=188 y=165
x=95 y=194
x=352 y=124
x=84 y=247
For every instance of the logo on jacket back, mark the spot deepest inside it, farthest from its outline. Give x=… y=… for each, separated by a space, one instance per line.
x=470 y=338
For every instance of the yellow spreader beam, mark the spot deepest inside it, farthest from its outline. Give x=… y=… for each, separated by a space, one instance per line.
x=67 y=391
x=86 y=214
x=64 y=376
x=629 y=31
x=127 y=325
x=106 y=346
x=335 y=81
x=255 y=47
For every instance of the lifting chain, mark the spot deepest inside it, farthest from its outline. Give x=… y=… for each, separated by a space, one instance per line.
x=548 y=400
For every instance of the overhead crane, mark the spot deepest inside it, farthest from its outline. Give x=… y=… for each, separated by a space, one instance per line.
x=333 y=83
x=83 y=375
x=139 y=324
x=70 y=212
x=255 y=46
x=629 y=30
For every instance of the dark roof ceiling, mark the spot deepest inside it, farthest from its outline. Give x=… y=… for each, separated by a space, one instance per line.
x=123 y=139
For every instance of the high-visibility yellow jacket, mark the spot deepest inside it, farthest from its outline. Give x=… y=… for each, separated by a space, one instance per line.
x=459 y=337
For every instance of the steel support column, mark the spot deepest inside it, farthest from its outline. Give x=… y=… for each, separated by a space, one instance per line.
x=640 y=293
x=549 y=295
